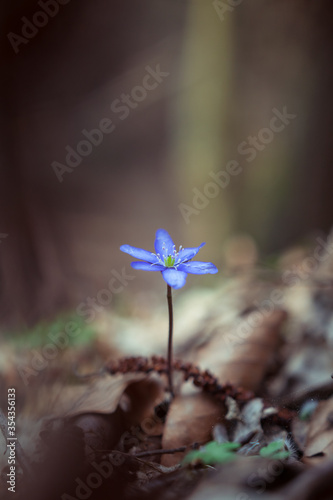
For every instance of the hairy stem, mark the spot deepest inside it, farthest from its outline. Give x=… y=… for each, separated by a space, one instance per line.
x=169 y=297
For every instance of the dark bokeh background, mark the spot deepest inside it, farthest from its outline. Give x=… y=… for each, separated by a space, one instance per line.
x=225 y=77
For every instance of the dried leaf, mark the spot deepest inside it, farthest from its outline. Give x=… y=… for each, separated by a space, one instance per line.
x=243 y=358
x=250 y=419
x=101 y=396
x=320 y=436
x=190 y=419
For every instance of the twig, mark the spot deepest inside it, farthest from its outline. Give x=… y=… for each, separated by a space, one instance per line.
x=155 y=452
x=159 y=452
x=136 y=457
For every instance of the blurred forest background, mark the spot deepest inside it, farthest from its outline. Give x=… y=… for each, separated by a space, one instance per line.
x=228 y=69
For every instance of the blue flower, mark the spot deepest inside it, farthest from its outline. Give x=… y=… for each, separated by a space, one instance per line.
x=174 y=265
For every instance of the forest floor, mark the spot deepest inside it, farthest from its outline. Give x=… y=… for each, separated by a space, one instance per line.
x=252 y=413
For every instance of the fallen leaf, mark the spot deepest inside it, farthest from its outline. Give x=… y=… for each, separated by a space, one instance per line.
x=191 y=418
x=320 y=435
x=249 y=420
x=101 y=396
x=243 y=358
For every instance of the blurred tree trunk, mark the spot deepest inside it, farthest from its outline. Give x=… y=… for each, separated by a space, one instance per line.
x=283 y=56
x=265 y=55
x=63 y=238
x=33 y=263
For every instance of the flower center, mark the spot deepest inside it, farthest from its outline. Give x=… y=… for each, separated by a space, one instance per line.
x=169 y=261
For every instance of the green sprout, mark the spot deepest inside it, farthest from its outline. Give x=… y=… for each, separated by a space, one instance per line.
x=275 y=450
x=213 y=453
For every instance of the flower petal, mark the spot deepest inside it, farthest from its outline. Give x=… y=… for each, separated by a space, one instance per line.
x=139 y=253
x=196 y=267
x=163 y=243
x=174 y=278
x=145 y=266
x=186 y=254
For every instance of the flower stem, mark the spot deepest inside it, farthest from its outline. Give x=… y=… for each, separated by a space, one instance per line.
x=169 y=297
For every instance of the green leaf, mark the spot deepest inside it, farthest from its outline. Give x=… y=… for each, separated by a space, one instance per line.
x=213 y=453
x=275 y=450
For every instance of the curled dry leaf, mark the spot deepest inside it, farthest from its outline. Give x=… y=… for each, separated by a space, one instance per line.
x=243 y=356
x=101 y=396
x=320 y=435
x=58 y=402
x=249 y=421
